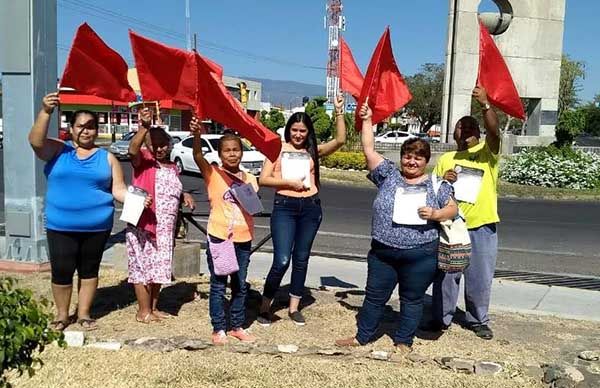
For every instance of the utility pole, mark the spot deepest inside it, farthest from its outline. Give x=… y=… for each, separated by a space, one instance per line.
x=188 y=27
x=28 y=66
x=334 y=23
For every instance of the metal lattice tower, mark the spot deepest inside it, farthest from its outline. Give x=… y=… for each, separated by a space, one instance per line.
x=334 y=24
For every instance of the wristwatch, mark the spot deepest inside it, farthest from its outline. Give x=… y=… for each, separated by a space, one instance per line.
x=485 y=106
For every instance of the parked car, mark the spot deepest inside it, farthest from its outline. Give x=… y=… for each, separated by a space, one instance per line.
x=252 y=160
x=394 y=137
x=120 y=148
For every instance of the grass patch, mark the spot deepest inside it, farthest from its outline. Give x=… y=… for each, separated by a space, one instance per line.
x=505 y=189
x=520 y=340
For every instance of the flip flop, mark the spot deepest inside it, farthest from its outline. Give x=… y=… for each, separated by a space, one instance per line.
x=147 y=319
x=60 y=325
x=87 y=324
x=163 y=315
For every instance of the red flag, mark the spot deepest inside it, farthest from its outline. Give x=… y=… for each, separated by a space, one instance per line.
x=495 y=77
x=383 y=85
x=351 y=79
x=165 y=73
x=218 y=104
x=95 y=69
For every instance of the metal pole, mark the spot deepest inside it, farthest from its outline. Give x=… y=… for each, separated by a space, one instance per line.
x=28 y=65
x=188 y=28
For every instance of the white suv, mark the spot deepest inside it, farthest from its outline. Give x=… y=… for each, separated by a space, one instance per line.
x=394 y=137
x=252 y=160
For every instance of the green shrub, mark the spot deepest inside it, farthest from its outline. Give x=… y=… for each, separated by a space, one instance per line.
x=345 y=161
x=23 y=330
x=553 y=167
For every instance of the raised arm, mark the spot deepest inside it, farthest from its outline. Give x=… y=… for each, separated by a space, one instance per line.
x=367 y=139
x=203 y=165
x=44 y=147
x=490 y=120
x=340 y=129
x=145 y=118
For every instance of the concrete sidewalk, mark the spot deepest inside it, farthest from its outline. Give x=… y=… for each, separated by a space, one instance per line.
x=344 y=274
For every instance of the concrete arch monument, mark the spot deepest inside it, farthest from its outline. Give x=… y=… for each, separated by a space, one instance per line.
x=529 y=33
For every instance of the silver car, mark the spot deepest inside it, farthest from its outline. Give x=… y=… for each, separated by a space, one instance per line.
x=120 y=148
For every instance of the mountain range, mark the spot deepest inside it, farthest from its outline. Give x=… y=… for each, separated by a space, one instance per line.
x=287 y=93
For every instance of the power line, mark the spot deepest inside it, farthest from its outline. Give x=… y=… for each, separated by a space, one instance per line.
x=155 y=30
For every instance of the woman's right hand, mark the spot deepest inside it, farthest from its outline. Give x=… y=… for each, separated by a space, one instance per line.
x=50 y=101
x=195 y=126
x=297 y=185
x=365 y=112
x=145 y=117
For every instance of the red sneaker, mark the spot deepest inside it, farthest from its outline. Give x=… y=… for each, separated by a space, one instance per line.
x=219 y=338
x=242 y=335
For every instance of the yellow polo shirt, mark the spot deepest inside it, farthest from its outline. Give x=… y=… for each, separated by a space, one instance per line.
x=485 y=209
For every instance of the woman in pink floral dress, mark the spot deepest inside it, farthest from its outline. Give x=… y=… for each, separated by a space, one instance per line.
x=150 y=243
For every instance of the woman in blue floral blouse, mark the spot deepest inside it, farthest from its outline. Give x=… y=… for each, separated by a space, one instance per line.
x=404 y=247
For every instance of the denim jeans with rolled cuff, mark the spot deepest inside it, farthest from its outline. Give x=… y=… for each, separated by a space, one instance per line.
x=218 y=285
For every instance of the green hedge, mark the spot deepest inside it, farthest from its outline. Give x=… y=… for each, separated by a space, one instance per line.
x=553 y=167
x=345 y=161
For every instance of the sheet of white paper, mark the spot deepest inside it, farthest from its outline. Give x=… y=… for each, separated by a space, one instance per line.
x=133 y=206
x=296 y=165
x=468 y=183
x=406 y=205
x=247 y=198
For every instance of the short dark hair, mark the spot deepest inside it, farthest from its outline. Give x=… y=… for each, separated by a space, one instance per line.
x=227 y=137
x=157 y=131
x=469 y=122
x=80 y=112
x=417 y=147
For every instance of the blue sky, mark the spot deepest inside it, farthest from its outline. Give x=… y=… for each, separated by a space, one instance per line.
x=285 y=39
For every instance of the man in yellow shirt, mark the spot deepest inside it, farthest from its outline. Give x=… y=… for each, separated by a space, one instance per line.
x=475 y=164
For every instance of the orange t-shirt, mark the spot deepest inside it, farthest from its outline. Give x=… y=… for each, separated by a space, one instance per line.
x=285 y=147
x=223 y=206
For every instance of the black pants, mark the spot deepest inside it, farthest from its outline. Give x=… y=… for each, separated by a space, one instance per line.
x=75 y=251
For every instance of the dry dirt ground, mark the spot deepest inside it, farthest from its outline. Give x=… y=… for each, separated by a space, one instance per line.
x=521 y=344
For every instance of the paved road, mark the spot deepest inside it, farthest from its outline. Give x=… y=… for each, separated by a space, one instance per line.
x=535 y=235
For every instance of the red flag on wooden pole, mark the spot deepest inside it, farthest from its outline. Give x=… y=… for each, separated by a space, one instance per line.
x=383 y=85
x=351 y=79
x=495 y=77
x=93 y=68
x=216 y=103
x=165 y=73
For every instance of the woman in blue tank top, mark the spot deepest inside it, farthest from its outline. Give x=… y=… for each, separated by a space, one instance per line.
x=83 y=180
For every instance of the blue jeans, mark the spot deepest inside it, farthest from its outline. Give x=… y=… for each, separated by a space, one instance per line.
x=294 y=225
x=218 y=284
x=478 y=281
x=412 y=270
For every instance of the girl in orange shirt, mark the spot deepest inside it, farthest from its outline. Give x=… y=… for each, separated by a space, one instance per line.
x=228 y=224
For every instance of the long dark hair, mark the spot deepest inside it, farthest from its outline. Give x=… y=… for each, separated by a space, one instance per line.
x=311 y=139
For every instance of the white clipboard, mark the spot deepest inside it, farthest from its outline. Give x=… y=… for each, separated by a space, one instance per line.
x=296 y=166
x=468 y=183
x=407 y=202
x=133 y=207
